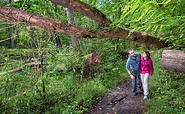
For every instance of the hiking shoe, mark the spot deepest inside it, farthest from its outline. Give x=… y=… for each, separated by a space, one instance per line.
x=134 y=94
x=145 y=97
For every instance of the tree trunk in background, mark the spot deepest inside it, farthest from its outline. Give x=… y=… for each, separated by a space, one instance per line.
x=173 y=60
x=57 y=41
x=11 y=35
x=32 y=42
x=11 y=29
x=71 y=22
x=55 y=35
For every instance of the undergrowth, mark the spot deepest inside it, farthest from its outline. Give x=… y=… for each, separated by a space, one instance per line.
x=64 y=92
x=167 y=90
x=70 y=92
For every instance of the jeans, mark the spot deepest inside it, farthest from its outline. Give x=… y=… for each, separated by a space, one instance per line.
x=136 y=74
x=144 y=79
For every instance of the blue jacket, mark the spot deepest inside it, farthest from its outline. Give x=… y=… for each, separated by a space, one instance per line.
x=133 y=63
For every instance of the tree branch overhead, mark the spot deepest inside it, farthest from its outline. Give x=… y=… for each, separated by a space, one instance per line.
x=84 y=9
x=13 y=14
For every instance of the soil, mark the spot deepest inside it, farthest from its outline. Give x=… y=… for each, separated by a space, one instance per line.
x=121 y=101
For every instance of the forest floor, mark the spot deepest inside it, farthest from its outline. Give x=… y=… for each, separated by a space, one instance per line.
x=121 y=101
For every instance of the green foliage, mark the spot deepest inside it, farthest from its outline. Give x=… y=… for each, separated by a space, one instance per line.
x=42 y=7
x=2 y=2
x=166 y=91
x=164 y=19
x=66 y=92
x=22 y=33
x=159 y=20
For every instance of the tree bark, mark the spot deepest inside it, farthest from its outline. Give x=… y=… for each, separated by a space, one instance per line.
x=84 y=9
x=173 y=60
x=11 y=29
x=13 y=14
x=57 y=40
x=71 y=22
x=11 y=35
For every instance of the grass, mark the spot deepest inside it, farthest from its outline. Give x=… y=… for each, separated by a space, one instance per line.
x=167 y=91
x=66 y=93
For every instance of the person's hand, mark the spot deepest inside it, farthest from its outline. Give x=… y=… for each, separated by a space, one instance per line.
x=132 y=77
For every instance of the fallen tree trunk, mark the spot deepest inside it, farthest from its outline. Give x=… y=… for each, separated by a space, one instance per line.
x=84 y=9
x=32 y=64
x=13 y=14
x=173 y=60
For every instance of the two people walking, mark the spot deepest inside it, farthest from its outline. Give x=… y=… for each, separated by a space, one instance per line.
x=140 y=68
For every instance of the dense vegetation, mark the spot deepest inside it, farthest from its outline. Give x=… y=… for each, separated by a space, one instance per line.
x=52 y=90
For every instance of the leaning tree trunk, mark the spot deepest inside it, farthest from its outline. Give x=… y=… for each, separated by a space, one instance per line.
x=173 y=60
x=13 y=14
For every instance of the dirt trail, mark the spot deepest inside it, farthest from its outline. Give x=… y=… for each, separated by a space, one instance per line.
x=121 y=101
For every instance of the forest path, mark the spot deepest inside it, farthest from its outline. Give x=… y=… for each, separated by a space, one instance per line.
x=121 y=101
